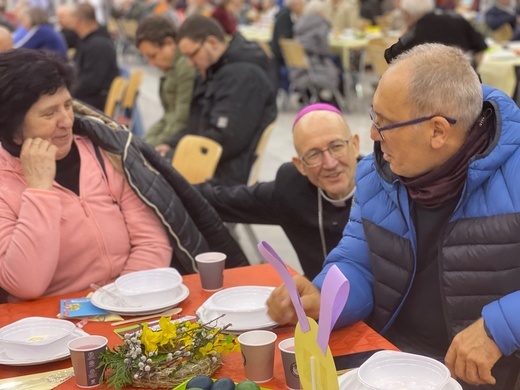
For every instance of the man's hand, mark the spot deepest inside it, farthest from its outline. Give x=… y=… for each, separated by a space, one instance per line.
x=38 y=159
x=162 y=149
x=472 y=355
x=280 y=307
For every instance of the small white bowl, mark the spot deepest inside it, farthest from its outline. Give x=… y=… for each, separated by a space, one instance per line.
x=392 y=370
x=240 y=303
x=149 y=287
x=37 y=337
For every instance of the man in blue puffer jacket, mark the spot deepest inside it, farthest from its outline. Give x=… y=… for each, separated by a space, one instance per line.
x=432 y=247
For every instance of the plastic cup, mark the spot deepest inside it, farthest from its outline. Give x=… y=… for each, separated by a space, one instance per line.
x=292 y=378
x=84 y=353
x=211 y=270
x=258 y=354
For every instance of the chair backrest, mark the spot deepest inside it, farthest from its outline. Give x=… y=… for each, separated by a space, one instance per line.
x=134 y=82
x=266 y=48
x=259 y=154
x=293 y=54
x=115 y=95
x=375 y=54
x=196 y=158
x=503 y=34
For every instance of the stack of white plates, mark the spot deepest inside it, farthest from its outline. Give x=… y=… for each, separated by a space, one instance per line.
x=243 y=308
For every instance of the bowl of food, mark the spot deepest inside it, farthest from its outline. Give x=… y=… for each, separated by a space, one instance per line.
x=149 y=287
x=392 y=370
x=35 y=337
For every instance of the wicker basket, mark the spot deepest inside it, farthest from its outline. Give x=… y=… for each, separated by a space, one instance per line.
x=167 y=378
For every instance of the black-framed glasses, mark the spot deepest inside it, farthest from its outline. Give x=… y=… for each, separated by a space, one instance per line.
x=380 y=129
x=314 y=157
x=196 y=51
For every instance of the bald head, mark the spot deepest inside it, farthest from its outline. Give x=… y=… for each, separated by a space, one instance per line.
x=6 y=39
x=327 y=151
x=63 y=14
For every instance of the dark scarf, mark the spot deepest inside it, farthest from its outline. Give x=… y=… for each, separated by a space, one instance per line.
x=432 y=189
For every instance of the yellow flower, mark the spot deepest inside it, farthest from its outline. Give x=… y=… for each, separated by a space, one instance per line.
x=168 y=331
x=150 y=339
x=205 y=350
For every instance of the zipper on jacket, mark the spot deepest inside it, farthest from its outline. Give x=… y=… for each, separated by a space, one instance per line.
x=154 y=207
x=411 y=228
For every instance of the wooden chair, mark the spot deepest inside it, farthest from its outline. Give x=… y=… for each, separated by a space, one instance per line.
x=502 y=34
x=295 y=57
x=375 y=54
x=196 y=158
x=115 y=96
x=129 y=100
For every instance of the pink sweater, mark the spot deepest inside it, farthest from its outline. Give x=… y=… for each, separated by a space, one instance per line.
x=54 y=242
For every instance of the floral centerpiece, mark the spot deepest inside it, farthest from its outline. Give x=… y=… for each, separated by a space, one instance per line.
x=167 y=356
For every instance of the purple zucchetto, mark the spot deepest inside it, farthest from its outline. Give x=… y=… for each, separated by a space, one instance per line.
x=315 y=107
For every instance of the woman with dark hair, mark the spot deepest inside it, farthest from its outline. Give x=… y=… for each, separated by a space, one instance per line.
x=68 y=218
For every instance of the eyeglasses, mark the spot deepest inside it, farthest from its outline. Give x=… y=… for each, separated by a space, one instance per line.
x=196 y=51
x=314 y=157
x=380 y=129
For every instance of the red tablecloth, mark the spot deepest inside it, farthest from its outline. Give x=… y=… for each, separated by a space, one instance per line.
x=356 y=338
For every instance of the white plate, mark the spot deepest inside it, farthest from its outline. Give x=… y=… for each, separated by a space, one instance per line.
x=349 y=381
x=4 y=359
x=106 y=302
x=502 y=55
x=205 y=315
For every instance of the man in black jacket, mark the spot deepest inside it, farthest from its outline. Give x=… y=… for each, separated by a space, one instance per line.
x=95 y=58
x=234 y=102
x=310 y=198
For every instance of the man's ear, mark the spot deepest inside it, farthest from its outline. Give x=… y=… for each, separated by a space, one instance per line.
x=355 y=144
x=299 y=165
x=439 y=132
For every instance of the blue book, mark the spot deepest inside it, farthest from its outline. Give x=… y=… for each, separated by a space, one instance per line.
x=79 y=307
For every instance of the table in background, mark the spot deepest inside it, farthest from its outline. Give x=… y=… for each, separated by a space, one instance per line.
x=356 y=338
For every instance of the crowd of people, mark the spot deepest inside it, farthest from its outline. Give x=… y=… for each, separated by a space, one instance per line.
x=425 y=227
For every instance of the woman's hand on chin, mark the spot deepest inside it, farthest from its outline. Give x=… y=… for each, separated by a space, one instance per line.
x=38 y=159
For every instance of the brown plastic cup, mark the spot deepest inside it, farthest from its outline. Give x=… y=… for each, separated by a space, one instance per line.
x=257 y=348
x=84 y=353
x=292 y=378
x=211 y=270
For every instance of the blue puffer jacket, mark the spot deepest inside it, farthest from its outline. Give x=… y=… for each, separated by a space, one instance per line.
x=479 y=255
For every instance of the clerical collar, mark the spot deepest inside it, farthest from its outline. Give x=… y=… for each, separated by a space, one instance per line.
x=338 y=202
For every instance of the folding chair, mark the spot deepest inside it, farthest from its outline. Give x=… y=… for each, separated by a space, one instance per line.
x=295 y=57
x=196 y=158
x=115 y=96
x=129 y=102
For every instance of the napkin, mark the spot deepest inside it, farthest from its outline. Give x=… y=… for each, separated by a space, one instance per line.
x=42 y=381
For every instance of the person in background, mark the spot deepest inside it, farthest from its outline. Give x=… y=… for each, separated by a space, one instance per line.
x=342 y=14
x=64 y=20
x=501 y=12
x=310 y=198
x=40 y=34
x=226 y=13
x=95 y=58
x=155 y=38
x=312 y=30
x=6 y=39
x=68 y=218
x=234 y=101
x=283 y=28
x=4 y=20
x=199 y=7
x=425 y=24
x=431 y=247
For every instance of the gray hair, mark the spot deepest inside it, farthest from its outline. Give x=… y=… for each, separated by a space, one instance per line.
x=417 y=8
x=442 y=81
